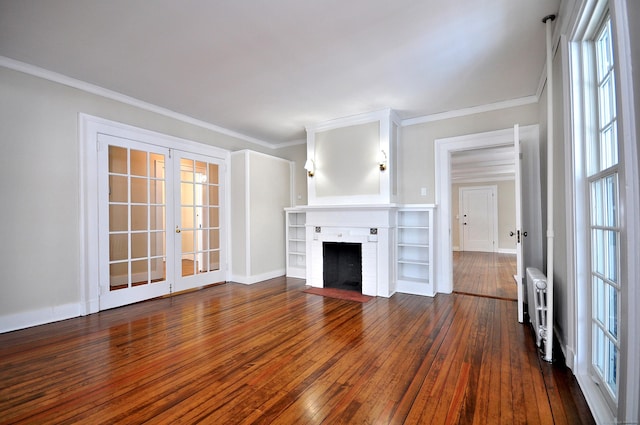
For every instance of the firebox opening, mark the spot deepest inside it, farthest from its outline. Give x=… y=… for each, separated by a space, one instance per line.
x=342 y=265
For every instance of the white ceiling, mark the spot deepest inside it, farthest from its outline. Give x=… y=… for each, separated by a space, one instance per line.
x=483 y=165
x=267 y=68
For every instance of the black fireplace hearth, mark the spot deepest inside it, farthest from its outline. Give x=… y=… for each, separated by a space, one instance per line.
x=342 y=265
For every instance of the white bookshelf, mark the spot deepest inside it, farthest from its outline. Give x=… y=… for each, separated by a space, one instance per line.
x=296 y=243
x=415 y=250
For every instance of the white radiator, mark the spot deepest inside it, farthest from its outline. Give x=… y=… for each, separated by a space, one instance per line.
x=537 y=300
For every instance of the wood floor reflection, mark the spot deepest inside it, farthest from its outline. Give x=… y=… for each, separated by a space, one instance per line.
x=485 y=273
x=269 y=353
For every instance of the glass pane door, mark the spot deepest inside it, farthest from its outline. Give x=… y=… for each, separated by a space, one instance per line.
x=198 y=217
x=133 y=208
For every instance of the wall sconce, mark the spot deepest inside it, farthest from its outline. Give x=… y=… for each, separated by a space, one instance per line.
x=382 y=160
x=310 y=166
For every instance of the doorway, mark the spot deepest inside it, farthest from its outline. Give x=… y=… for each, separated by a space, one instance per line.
x=154 y=214
x=444 y=150
x=162 y=214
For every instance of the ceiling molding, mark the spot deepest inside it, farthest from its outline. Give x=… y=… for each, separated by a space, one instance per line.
x=527 y=100
x=291 y=143
x=119 y=97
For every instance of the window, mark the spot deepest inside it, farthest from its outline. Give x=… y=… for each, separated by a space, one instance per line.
x=604 y=222
x=606 y=200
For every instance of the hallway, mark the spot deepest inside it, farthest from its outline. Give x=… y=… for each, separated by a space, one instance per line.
x=486 y=274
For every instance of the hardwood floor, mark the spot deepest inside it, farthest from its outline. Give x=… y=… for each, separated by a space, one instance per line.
x=485 y=273
x=270 y=353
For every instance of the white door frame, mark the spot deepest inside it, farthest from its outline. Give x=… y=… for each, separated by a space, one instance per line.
x=494 y=217
x=89 y=129
x=443 y=150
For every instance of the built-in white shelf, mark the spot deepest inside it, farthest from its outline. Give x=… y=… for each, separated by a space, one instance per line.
x=414 y=250
x=296 y=243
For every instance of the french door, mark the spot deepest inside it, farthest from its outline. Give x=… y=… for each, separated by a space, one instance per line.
x=159 y=217
x=197 y=229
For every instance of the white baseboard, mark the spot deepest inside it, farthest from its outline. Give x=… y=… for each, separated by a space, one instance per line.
x=506 y=251
x=27 y=319
x=456 y=248
x=250 y=280
x=415 y=288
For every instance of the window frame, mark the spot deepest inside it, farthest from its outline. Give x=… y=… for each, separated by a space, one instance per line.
x=586 y=16
x=597 y=172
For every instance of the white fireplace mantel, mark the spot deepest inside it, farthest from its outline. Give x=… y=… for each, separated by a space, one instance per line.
x=370 y=225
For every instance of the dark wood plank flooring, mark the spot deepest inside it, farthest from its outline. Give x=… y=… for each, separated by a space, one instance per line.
x=270 y=353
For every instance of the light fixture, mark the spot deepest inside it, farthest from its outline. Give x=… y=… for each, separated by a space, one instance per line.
x=310 y=166
x=382 y=160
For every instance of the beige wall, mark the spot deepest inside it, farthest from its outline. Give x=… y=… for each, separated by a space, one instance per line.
x=345 y=161
x=506 y=212
x=298 y=155
x=260 y=191
x=39 y=185
x=270 y=194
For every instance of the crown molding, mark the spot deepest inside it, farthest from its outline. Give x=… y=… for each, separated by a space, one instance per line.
x=471 y=111
x=291 y=143
x=119 y=97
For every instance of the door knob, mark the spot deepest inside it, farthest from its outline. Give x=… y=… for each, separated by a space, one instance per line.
x=178 y=229
x=511 y=233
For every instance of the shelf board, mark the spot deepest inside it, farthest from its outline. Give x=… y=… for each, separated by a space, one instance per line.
x=297 y=240
x=413 y=245
x=413 y=279
x=416 y=262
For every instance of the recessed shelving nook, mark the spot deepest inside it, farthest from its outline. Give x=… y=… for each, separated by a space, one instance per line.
x=415 y=249
x=296 y=242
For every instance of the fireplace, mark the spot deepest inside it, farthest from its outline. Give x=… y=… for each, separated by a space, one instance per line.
x=365 y=229
x=342 y=265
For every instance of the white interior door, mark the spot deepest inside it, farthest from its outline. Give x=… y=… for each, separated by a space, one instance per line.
x=198 y=201
x=519 y=277
x=132 y=217
x=160 y=216
x=478 y=216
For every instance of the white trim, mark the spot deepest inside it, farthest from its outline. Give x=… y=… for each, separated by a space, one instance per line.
x=247 y=214
x=289 y=144
x=250 y=280
x=27 y=319
x=358 y=119
x=629 y=392
x=505 y=104
x=599 y=408
x=567 y=337
x=506 y=251
x=119 y=97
